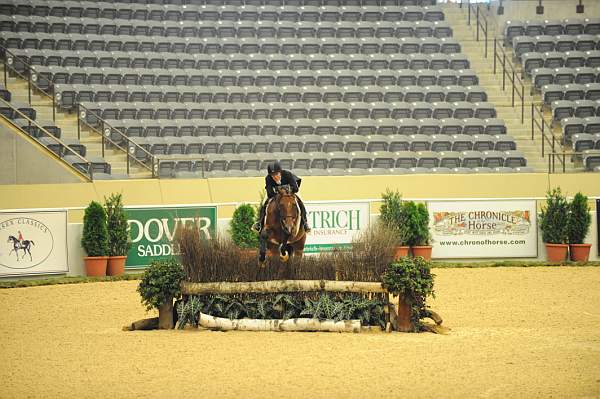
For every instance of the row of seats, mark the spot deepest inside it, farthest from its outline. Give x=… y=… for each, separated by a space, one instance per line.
x=68 y=95
x=561 y=43
x=275 y=62
x=358 y=160
x=304 y=127
x=555 y=59
x=337 y=110
x=563 y=76
x=74 y=42
x=585 y=141
x=348 y=172
x=570 y=92
x=573 y=126
x=296 y=3
x=44 y=77
x=579 y=108
x=288 y=13
x=316 y=144
x=570 y=26
x=225 y=29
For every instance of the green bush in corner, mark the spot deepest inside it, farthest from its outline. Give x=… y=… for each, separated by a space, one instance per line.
x=418 y=222
x=240 y=227
x=95 y=233
x=394 y=216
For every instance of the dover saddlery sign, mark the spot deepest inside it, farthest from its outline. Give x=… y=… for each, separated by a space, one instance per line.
x=152 y=230
x=33 y=243
x=483 y=229
x=334 y=225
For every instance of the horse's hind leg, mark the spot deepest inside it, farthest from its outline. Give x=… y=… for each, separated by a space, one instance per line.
x=29 y=252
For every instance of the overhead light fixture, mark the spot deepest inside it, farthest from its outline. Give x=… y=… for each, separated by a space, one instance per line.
x=539 y=10
x=579 y=8
x=500 y=10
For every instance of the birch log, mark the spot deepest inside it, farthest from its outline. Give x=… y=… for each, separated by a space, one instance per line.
x=222 y=324
x=189 y=288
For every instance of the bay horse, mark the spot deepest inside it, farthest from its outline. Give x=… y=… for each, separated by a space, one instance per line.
x=283 y=230
x=25 y=246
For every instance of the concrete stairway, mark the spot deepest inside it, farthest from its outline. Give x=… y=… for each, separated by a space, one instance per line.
x=492 y=83
x=68 y=124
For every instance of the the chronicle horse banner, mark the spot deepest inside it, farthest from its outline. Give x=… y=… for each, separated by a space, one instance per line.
x=483 y=229
x=33 y=243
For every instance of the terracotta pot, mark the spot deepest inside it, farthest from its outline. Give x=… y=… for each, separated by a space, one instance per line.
x=400 y=252
x=95 y=266
x=116 y=265
x=556 y=252
x=422 y=250
x=580 y=252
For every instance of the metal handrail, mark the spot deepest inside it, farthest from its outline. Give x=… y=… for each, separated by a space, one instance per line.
x=481 y=22
x=32 y=78
x=562 y=157
x=546 y=130
x=508 y=71
x=105 y=133
x=56 y=139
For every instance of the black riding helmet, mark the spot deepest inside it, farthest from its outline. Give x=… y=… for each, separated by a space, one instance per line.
x=274 y=168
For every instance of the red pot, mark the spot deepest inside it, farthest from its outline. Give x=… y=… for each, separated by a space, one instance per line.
x=580 y=252
x=422 y=250
x=95 y=266
x=400 y=252
x=116 y=265
x=556 y=252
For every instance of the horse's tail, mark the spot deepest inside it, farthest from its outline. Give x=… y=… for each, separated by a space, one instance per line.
x=33 y=243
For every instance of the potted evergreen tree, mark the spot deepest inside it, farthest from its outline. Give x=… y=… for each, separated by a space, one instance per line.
x=240 y=228
x=95 y=239
x=578 y=225
x=160 y=284
x=418 y=222
x=393 y=215
x=118 y=235
x=553 y=223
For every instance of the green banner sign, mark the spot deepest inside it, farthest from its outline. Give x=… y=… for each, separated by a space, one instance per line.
x=152 y=230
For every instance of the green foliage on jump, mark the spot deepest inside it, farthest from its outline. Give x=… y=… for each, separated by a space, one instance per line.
x=95 y=233
x=341 y=306
x=160 y=282
x=412 y=279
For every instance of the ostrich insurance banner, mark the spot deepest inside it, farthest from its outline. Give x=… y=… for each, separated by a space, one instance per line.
x=33 y=243
x=335 y=224
x=152 y=230
x=483 y=229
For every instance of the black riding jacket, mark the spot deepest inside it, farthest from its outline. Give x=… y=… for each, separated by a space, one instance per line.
x=287 y=178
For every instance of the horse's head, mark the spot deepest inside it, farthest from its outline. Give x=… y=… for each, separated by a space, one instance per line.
x=12 y=239
x=289 y=213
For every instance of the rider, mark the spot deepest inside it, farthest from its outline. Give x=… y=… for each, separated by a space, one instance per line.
x=20 y=237
x=277 y=176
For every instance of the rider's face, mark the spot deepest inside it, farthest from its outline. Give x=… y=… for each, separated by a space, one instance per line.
x=277 y=177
